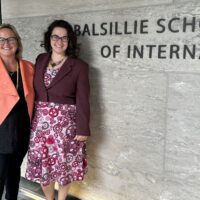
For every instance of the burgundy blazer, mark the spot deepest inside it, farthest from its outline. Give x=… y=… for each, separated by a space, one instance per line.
x=70 y=86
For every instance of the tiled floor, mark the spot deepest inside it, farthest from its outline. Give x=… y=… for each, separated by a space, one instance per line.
x=32 y=191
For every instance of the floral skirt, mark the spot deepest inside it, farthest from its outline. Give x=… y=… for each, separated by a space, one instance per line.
x=54 y=155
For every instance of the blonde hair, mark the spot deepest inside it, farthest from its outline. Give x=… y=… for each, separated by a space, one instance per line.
x=13 y=29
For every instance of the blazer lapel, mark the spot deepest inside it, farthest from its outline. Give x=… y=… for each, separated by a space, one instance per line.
x=8 y=93
x=65 y=69
x=25 y=73
x=40 y=70
x=6 y=86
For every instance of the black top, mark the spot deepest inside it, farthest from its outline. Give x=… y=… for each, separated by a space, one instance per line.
x=15 y=129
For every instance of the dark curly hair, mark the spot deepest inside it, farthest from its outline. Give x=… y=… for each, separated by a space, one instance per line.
x=72 y=49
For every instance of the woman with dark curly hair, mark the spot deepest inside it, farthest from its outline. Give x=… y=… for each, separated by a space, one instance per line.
x=57 y=150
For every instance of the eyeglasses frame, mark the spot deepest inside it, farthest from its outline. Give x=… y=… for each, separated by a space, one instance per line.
x=9 y=40
x=56 y=38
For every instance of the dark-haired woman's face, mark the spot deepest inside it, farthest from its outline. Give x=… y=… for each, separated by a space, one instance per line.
x=59 y=40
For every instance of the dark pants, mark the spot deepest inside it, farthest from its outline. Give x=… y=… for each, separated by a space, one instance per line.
x=10 y=172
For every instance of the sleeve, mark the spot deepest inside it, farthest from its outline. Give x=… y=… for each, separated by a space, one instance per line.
x=82 y=101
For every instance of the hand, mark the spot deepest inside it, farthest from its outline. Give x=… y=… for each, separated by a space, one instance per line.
x=81 y=138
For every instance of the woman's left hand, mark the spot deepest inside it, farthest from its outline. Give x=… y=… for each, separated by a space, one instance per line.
x=81 y=138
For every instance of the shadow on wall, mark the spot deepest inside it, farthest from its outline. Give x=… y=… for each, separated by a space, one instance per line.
x=96 y=123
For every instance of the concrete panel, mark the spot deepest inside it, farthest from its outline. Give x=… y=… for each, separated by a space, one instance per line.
x=185 y=1
x=94 y=44
x=183 y=143
x=128 y=122
x=24 y=8
x=124 y=111
x=180 y=191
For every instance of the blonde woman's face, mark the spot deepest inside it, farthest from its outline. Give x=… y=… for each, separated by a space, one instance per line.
x=8 y=43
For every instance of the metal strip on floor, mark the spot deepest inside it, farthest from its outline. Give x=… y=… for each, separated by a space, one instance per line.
x=30 y=194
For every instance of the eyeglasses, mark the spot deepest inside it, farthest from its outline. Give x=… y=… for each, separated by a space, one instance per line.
x=10 y=40
x=55 y=38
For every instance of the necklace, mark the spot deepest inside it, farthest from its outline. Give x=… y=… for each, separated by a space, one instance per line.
x=53 y=64
x=11 y=74
x=17 y=83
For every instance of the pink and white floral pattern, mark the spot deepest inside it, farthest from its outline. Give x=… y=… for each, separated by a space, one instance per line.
x=54 y=155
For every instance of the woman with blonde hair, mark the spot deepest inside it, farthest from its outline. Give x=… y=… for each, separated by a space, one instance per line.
x=16 y=106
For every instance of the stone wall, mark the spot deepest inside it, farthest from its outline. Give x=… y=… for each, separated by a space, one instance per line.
x=145 y=105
